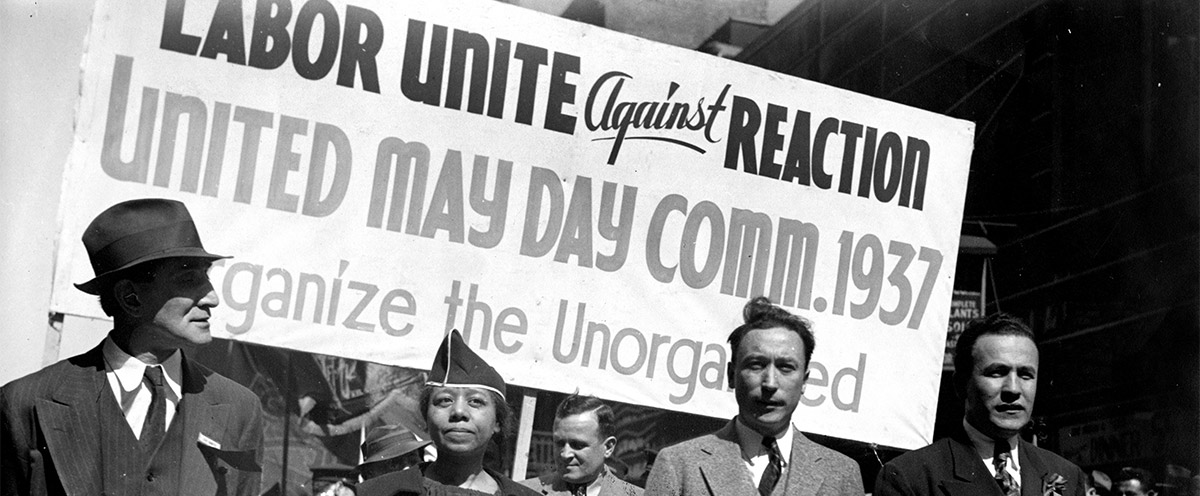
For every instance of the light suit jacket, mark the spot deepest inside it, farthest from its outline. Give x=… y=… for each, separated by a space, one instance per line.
x=952 y=467
x=610 y=485
x=50 y=423
x=712 y=465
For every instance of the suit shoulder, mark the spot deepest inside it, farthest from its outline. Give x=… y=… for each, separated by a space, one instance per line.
x=1056 y=462
x=689 y=446
x=627 y=488
x=223 y=386
x=934 y=454
x=537 y=483
x=41 y=383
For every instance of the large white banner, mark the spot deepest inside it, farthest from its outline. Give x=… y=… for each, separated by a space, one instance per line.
x=591 y=209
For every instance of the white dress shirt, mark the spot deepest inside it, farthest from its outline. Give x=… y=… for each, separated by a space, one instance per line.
x=125 y=374
x=755 y=455
x=986 y=448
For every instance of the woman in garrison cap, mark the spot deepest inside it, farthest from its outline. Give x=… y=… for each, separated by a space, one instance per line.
x=464 y=407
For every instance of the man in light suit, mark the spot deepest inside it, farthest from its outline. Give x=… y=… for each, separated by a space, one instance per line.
x=583 y=435
x=135 y=415
x=759 y=452
x=996 y=375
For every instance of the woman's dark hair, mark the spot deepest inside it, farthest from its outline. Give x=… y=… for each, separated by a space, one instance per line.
x=504 y=413
x=760 y=313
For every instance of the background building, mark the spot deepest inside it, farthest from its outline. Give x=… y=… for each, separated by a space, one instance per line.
x=1084 y=177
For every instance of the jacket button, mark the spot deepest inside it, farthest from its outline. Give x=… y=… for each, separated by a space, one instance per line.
x=150 y=476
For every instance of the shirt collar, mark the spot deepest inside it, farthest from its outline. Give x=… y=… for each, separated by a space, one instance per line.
x=751 y=442
x=129 y=370
x=986 y=446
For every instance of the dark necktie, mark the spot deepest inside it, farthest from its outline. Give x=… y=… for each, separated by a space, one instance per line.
x=1008 y=485
x=154 y=426
x=774 y=467
x=578 y=489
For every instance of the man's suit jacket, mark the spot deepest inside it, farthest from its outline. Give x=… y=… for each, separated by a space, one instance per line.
x=712 y=465
x=952 y=467
x=553 y=485
x=50 y=422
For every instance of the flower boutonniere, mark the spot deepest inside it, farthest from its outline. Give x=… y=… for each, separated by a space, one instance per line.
x=1054 y=485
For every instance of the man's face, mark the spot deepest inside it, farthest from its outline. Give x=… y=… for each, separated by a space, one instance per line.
x=181 y=299
x=1133 y=487
x=768 y=374
x=1003 y=384
x=581 y=451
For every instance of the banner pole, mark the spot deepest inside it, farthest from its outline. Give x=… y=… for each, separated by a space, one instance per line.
x=524 y=434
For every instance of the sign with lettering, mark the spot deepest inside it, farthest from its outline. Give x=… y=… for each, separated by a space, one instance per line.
x=591 y=209
x=965 y=306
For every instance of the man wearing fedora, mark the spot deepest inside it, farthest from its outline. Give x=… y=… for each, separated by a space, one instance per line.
x=135 y=415
x=390 y=448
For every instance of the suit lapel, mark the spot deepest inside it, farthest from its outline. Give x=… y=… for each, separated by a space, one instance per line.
x=720 y=462
x=1032 y=470
x=803 y=478
x=69 y=420
x=971 y=477
x=201 y=415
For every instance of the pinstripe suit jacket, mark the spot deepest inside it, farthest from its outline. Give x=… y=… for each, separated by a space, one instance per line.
x=50 y=423
x=711 y=465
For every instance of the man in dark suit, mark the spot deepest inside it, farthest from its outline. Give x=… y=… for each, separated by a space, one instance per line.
x=585 y=439
x=135 y=415
x=759 y=452
x=996 y=375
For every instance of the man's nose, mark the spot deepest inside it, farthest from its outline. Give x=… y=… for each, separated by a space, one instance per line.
x=1011 y=385
x=770 y=379
x=210 y=299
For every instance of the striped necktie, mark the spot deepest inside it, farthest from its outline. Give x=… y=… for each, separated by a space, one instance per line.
x=1008 y=485
x=774 y=466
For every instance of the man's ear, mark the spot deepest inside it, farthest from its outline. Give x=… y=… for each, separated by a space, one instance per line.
x=126 y=295
x=610 y=445
x=729 y=369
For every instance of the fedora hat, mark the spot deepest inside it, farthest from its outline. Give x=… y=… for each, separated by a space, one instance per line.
x=389 y=441
x=137 y=231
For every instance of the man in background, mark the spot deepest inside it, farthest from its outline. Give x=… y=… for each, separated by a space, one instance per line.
x=390 y=448
x=584 y=437
x=1135 y=481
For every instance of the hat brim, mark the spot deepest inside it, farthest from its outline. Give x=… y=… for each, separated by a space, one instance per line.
x=94 y=286
x=395 y=451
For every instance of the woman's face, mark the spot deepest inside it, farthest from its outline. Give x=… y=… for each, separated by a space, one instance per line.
x=461 y=420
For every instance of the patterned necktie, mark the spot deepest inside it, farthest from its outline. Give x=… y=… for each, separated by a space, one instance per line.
x=1008 y=485
x=774 y=467
x=154 y=427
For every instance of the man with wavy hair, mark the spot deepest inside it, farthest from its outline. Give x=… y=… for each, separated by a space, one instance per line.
x=759 y=452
